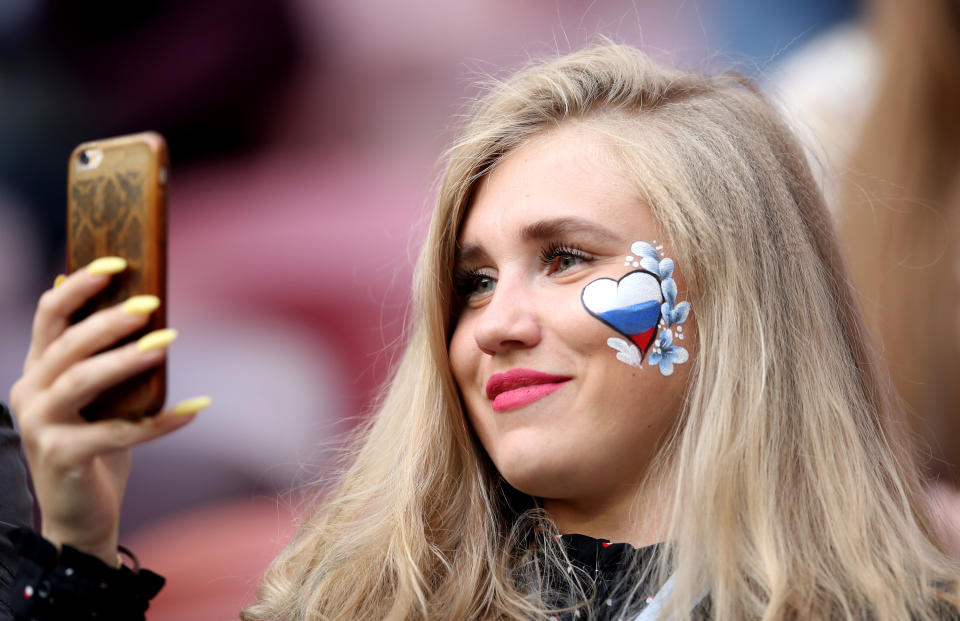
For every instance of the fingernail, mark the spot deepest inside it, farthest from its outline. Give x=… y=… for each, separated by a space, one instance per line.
x=192 y=405
x=141 y=305
x=156 y=339
x=59 y=280
x=107 y=265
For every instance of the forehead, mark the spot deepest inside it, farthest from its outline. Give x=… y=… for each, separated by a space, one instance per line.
x=568 y=173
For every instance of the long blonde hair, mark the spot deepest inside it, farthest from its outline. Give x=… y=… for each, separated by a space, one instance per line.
x=793 y=492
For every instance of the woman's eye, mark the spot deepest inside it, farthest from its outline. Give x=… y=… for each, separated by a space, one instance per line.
x=556 y=258
x=473 y=283
x=483 y=284
x=564 y=262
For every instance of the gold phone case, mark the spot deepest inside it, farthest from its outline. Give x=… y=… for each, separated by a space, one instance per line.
x=117 y=206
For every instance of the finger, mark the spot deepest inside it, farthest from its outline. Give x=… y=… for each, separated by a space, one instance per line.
x=92 y=335
x=92 y=439
x=57 y=304
x=192 y=405
x=85 y=380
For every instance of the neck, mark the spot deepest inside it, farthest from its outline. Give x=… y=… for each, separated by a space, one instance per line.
x=622 y=519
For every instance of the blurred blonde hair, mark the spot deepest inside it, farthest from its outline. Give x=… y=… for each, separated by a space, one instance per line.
x=793 y=493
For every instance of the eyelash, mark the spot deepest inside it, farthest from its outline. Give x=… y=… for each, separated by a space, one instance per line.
x=554 y=250
x=465 y=280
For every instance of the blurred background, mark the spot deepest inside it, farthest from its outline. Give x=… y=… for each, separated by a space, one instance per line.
x=304 y=138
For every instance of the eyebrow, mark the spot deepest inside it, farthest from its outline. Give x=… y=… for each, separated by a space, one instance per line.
x=544 y=230
x=558 y=227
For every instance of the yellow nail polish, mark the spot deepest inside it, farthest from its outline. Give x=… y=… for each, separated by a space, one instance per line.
x=59 y=280
x=141 y=305
x=192 y=405
x=156 y=339
x=107 y=265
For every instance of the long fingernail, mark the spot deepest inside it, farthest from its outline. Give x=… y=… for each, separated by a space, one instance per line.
x=192 y=405
x=59 y=280
x=156 y=339
x=141 y=305
x=107 y=265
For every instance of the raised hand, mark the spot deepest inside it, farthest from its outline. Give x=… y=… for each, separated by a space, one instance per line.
x=80 y=468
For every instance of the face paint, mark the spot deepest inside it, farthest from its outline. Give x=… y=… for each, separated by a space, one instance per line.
x=631 y=305
x=642 y=301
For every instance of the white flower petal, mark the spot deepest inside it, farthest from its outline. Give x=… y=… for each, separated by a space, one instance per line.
x=618 y=344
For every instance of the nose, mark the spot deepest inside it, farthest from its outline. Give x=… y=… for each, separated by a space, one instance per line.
x=509 y=321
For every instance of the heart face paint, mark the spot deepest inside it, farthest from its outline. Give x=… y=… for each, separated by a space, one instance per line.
x=631 y=305
x=637 y=304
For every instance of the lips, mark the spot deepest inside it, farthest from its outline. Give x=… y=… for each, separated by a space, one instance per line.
x=519 y=387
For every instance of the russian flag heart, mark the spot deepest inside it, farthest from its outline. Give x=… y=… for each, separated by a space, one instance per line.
x=631 y=305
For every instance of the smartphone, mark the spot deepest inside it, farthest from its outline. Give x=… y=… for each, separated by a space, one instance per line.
x=117 y=206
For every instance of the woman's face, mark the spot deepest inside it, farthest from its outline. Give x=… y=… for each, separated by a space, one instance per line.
x=556 y=215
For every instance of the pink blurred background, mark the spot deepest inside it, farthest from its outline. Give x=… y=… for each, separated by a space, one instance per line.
x=305 y=137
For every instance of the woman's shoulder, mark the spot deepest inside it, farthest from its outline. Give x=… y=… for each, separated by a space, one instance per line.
x=611 y=564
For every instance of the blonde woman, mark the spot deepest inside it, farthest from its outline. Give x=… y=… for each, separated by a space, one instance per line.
x=635 y=386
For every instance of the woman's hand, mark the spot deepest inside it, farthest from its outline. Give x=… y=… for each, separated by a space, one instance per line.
x=80 y=468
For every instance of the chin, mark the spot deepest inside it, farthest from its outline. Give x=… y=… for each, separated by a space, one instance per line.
x=542 y=476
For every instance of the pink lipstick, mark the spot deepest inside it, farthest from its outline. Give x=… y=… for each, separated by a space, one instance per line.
x=519 y=387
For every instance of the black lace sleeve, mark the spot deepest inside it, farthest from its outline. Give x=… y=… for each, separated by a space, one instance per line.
x=74 y=585
x=16 y=504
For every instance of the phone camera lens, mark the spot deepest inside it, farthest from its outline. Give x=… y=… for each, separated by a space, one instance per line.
x=84 y=158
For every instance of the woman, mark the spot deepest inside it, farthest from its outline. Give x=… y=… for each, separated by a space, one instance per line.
x=631 y=324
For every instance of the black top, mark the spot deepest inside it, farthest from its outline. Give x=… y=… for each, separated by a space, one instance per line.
x=611 y=566
x=16 y=505
x=37 y=583
x=70 y=584
x=78 y=586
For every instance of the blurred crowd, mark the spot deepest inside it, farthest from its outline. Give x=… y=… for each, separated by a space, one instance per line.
x=304 y=140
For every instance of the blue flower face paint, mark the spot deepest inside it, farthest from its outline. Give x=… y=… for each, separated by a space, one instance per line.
x=642 y=302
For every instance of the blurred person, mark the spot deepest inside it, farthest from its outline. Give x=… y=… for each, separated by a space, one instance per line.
x=74 y=72
x=877 y=100
x=899 y=225
x=636 y=383
x=899 y=216
x=757 y=32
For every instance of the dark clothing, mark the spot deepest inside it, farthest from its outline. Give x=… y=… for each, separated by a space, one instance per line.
x=16 y=505
x=611 y=566
x=83 y=587
x=35 y=581
x=76 y=586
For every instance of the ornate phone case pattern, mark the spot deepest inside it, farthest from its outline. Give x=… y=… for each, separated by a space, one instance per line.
x=117 y=206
